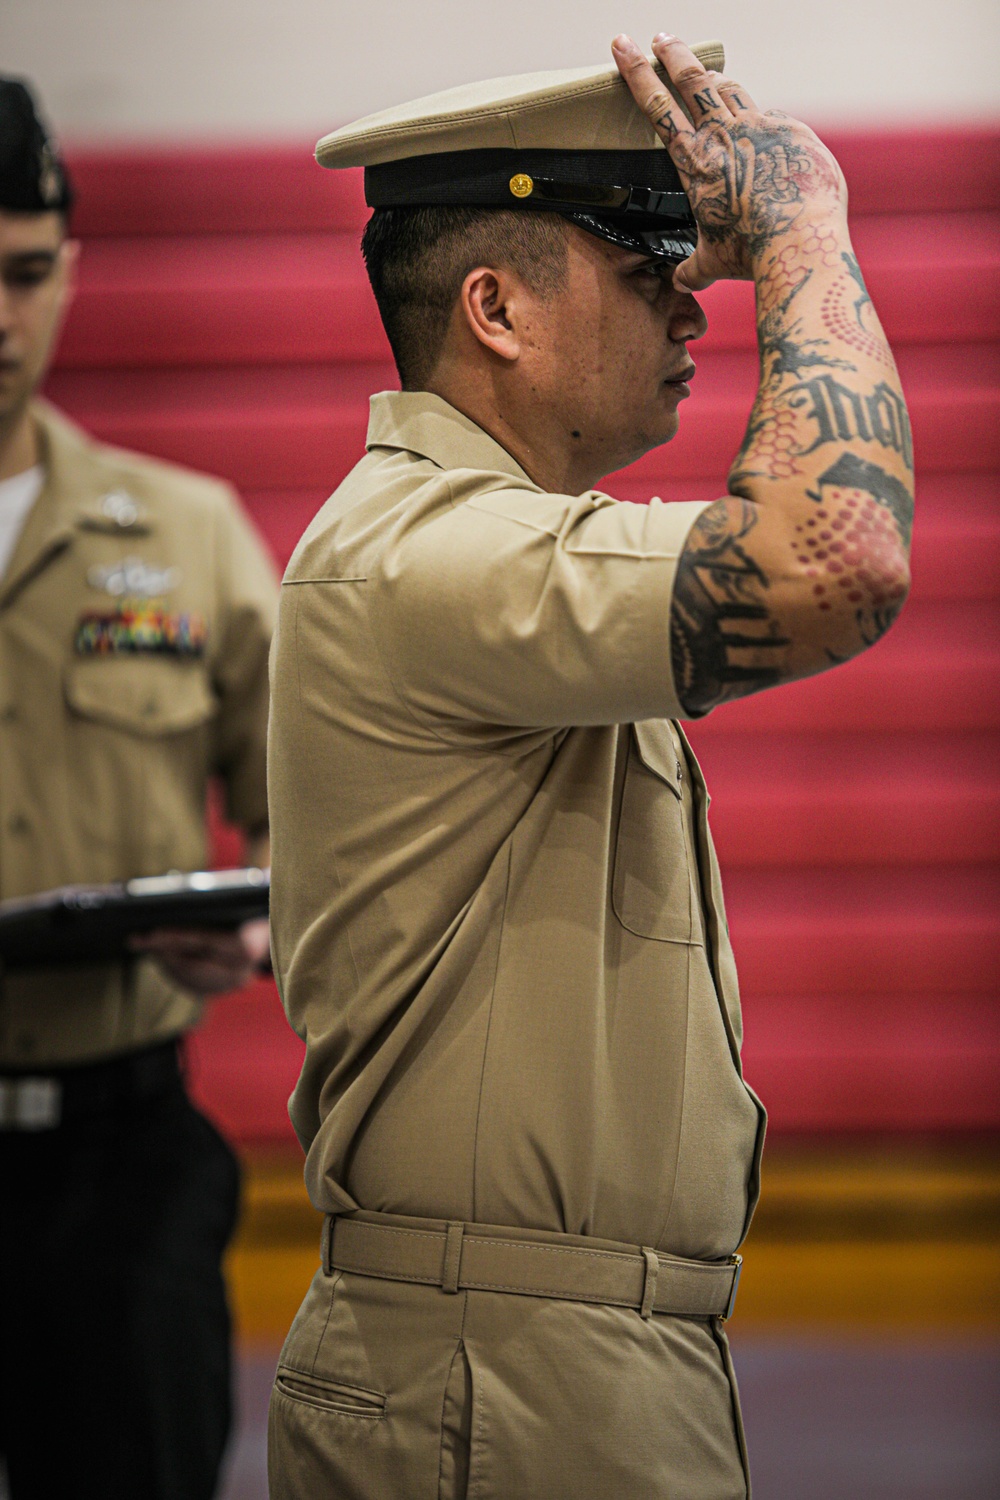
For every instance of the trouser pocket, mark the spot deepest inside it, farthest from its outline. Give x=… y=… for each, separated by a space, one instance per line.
x=329 y=1395
x=368 y=1401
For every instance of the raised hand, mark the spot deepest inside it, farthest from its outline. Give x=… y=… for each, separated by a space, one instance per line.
x=805 y=562
x=751 y=176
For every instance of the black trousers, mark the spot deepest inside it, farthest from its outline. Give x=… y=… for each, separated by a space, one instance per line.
x=114 y=1328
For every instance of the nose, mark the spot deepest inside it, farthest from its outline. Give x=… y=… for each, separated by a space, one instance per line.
x=686 y=318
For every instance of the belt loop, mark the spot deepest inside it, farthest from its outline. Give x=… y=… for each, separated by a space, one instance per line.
x=649 y=1285
x=326 y=1245
x=452 y=1257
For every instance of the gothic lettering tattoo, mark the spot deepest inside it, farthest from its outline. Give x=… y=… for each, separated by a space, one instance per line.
x=724 y=642
x=843 y=414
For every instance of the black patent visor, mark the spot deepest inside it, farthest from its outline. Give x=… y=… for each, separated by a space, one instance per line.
x=669 y=245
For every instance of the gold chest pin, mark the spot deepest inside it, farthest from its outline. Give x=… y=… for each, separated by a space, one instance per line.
x=521 y=185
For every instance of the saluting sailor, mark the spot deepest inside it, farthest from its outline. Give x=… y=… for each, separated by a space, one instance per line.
x=496 y=912
x=136 y=607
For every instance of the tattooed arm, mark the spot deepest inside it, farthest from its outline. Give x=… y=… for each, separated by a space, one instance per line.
x=806 y=562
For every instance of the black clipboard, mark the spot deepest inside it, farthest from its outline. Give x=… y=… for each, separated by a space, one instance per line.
x=92 y=923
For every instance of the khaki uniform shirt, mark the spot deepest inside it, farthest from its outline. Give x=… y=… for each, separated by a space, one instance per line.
x=496 y=912
x=105 y=753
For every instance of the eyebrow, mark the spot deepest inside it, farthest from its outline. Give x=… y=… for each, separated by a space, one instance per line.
x=42 y=253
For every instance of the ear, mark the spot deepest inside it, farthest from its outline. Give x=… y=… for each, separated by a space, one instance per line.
x=69 y=256
x=486 y=301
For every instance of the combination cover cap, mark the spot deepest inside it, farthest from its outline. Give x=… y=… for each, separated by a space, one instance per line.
x=572 y=142
x=33 y=179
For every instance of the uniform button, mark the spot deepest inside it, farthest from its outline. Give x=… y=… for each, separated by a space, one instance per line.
x=17 y=823
x=8 y=714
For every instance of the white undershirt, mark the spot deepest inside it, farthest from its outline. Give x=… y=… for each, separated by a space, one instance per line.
x=17 y=496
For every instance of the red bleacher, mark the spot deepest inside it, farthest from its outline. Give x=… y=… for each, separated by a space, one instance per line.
x=224 y=321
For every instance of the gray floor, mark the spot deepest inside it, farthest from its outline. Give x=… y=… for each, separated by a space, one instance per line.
x=905 y=1421
x=826 y=1420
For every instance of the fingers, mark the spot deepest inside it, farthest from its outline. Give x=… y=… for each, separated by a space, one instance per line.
x=648 y=92
x=255 y=937
x=691 y=79
x=195 y=943
x=690 y=276
x=733 y=95
x=708 y=97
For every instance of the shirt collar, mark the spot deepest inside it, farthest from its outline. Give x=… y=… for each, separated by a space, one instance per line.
x=80 y=481
x=419 y=422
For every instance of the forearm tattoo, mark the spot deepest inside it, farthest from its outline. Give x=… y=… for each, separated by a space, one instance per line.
x=851 y=544
x=829 y=427
x=723 y=641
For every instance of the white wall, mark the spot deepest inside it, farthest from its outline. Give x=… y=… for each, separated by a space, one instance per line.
x=264 y=68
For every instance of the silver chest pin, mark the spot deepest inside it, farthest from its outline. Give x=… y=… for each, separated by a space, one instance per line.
x=133 y=576
x=119 y=507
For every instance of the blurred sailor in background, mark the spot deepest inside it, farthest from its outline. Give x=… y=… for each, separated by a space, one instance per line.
x=136 y=610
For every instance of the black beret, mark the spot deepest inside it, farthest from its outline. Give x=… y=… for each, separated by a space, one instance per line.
x=33 y=179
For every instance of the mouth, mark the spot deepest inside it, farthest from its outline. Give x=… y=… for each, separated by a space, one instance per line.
x=680 y=383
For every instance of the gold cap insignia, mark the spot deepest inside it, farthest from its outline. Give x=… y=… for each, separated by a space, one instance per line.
x=521 y=185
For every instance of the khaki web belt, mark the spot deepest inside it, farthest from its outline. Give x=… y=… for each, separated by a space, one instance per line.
x=494 y=1258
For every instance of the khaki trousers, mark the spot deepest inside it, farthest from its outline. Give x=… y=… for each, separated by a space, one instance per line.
x=395 y=1391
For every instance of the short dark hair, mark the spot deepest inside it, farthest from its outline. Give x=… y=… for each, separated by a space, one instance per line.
x=417 y=259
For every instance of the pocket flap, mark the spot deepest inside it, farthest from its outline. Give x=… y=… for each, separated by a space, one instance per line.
x=658 y=751
x=144 y=695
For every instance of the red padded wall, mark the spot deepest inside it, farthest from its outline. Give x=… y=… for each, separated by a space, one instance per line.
x=224 y=321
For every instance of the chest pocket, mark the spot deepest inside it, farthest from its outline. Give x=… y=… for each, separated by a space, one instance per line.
x=652 y=887
x=142 y=695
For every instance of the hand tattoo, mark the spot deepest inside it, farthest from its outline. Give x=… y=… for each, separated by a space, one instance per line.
x=747 y=184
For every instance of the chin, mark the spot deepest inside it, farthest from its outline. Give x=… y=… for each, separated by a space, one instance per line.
x=663 y=429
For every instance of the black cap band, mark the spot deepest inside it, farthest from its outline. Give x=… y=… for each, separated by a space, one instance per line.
x=632 y=198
